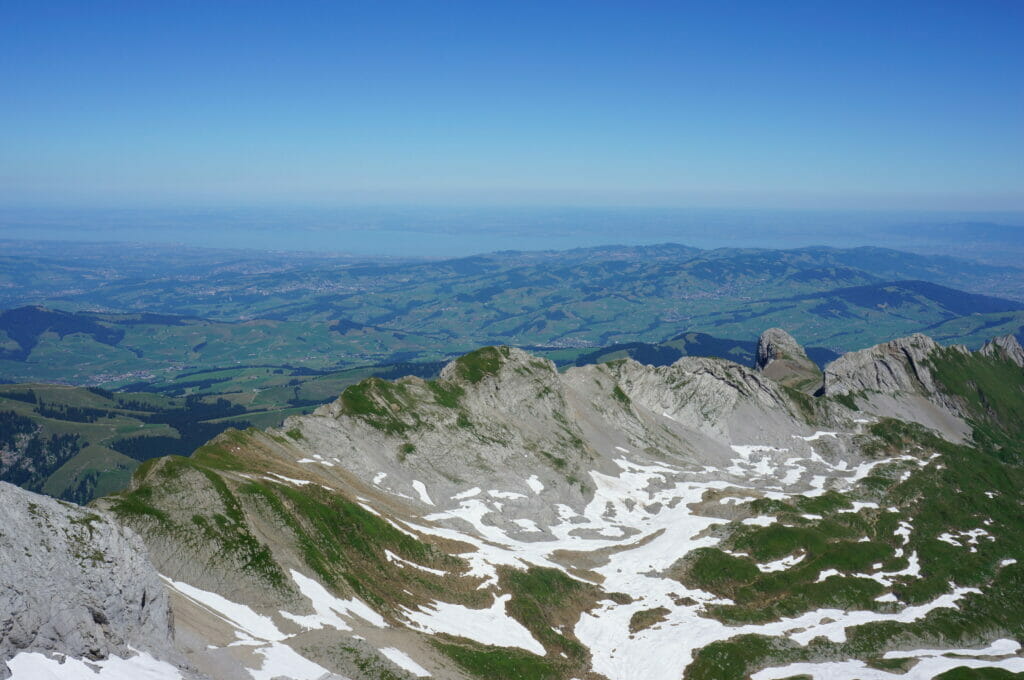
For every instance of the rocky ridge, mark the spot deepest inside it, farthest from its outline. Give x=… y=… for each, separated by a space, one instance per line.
x=1004 y=347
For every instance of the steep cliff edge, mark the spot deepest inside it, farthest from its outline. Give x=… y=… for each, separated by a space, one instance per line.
x=961 y=394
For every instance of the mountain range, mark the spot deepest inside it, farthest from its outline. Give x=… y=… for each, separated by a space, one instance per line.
x=702 y=519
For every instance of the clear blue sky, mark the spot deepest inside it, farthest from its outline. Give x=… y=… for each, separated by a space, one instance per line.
x=886 y=105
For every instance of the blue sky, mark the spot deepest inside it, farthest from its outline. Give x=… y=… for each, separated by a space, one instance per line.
x=780 y=105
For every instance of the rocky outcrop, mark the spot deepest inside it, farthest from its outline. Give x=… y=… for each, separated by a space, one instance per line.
x=897 y=366
x=76 y=583
x=774 y=344
x=1004 y=347
x=896 y=379
x=781 y=358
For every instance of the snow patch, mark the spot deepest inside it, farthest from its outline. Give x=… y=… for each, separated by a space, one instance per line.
x=1002 y=647
x=421 y=490
x=392 y=557
x=487 y=626
x=782 y=564
x=527 y=524
x=280 y=660
x=296 y=482
x=36 y=666
x=239 y=616
x=403 y=661
x=329 y=608
x=858 y=506
x=505 y=495
x=817 y=435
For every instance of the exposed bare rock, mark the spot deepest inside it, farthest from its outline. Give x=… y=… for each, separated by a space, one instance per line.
x=894 y=379
x=1005 y=347
x=75 y=582
x=896 y=366
x=781 y=358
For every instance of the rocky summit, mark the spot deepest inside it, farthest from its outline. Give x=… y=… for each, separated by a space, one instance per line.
x=703 y=520
x=781 y=358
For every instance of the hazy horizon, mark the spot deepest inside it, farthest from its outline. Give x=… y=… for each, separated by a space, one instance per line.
x=437 y=231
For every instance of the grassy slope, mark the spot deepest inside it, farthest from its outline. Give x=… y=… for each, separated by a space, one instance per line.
x=343 y=545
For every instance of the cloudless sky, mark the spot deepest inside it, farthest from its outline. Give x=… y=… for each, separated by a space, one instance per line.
x=887 y=105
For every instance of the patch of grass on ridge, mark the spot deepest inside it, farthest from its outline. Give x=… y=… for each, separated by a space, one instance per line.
x=340 y=541
x=377 y=401
x=479 y=364
x=543 y=599
x=993 y=391
x=446 y=394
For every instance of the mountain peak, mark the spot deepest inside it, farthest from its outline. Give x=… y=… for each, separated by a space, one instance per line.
x=774 y=344
x=895 y=366
x=479 y=364
x=1005 y=347
x=781 y=358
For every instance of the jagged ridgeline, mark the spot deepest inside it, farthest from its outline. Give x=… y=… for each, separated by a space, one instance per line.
x=697 y=520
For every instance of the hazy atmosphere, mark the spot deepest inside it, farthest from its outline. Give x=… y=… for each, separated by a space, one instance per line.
x=141 y=121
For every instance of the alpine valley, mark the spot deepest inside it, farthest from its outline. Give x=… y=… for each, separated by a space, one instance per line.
x=678 y=499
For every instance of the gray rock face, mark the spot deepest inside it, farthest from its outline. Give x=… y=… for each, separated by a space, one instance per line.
x=75 y=582
x=894 y=379
x=776 y=343
x=1005 y=347
x=896 y=366
x=781 y=358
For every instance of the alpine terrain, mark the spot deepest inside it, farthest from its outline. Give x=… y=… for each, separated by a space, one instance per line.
x=699 y=520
